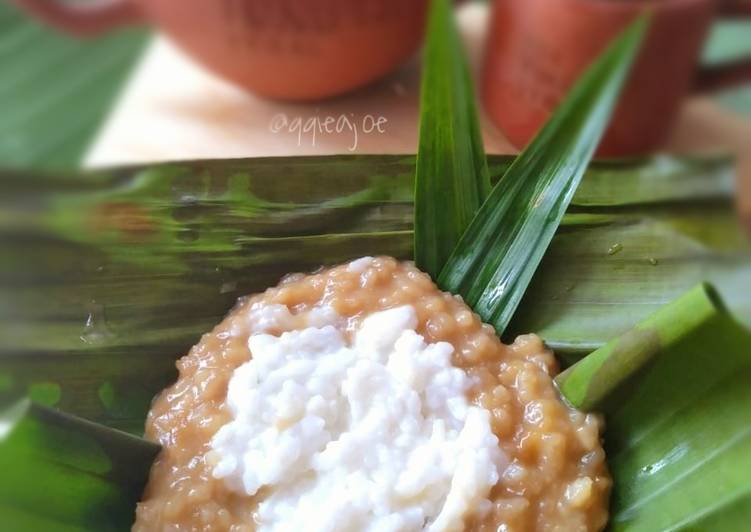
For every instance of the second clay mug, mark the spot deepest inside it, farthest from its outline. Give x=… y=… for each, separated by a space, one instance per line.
x=538 y=48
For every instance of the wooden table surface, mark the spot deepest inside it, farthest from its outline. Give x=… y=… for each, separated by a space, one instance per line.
x=173 y=109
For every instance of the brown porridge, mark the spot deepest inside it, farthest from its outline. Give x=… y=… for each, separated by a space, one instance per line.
x=554 y=478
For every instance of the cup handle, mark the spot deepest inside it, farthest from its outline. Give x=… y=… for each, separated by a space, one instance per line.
x=723 y=75
x=86 y=18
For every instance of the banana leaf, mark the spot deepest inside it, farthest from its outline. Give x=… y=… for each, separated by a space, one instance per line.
x=675 y=391
x=106 y=278
x=97 y=474
x=55 y=89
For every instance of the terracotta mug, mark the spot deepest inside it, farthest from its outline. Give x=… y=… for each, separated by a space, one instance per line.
x=538 y=48
x=285 y=49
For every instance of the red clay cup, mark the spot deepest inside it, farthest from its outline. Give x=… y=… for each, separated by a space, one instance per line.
x=538 y=48
x=283 y=49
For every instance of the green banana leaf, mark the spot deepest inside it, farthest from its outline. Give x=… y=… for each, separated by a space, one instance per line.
x=675 y=391
x=106 y=278
x=55 y=90
x=100 y=472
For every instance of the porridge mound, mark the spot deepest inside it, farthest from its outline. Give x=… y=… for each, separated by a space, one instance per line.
x=554 y=477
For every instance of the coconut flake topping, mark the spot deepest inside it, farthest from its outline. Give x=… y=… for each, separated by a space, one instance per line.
x=375 y=435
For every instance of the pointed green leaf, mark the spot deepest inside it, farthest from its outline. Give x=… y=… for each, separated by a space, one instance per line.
x=502 y=247
x=452 y=178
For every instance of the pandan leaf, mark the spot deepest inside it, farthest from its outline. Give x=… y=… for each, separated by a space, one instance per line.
x=107 y=278
x=502 y=247
x=675 y=391
x=56 y=89
x=452 y=178
x=64 y=473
